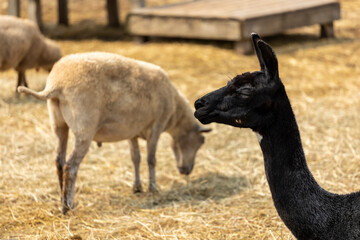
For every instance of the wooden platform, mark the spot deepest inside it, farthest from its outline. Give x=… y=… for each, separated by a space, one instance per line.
x=232 y=20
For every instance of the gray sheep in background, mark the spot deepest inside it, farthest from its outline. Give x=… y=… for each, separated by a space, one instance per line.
x=24 y=47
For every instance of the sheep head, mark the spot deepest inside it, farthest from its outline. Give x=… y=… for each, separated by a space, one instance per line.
x=185 y=147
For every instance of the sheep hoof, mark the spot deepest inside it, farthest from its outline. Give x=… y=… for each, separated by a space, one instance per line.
x=137 y=188
x=66 y=207
x=153 y=188
x=65 y=210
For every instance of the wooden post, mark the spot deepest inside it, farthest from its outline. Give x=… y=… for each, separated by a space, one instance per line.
x=14 y=8
x=113 y=15
x=140 y=39
x=34 y=12
x=63 y=16
x=327 y=30
x=243 y=47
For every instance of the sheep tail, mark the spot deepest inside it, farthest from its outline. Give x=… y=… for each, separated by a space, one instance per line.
x=43 y=95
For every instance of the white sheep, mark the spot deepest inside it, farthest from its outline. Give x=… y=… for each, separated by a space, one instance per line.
x=107 y=97
x=24 y=47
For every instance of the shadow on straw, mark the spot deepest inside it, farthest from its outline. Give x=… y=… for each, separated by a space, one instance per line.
x=211 y=186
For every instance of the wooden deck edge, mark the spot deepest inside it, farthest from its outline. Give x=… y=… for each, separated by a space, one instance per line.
x=277 y=23
x=231 y=29
x=216 y=29
x=149 y=12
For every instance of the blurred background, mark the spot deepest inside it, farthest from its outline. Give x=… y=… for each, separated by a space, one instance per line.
x=226 y=196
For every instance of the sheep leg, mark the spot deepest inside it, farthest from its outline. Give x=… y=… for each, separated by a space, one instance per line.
x=62 y=135
x=70 y=171
x=24 y=81
x=135 y=157
x=19 y=82
x=61 y=130
x=151 y=158
x=21 y=79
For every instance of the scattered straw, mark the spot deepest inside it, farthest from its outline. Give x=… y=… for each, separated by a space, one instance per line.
x=226 y=196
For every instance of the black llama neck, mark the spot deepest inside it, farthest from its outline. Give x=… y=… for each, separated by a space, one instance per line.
x=306 y=208
x=261 y=104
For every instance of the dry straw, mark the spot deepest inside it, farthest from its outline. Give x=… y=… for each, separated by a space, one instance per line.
x=226 y=196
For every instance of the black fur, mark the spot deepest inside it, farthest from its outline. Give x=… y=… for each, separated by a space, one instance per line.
x=258 y=101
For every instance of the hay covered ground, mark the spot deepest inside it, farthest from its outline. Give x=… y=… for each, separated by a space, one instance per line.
x=227 y=195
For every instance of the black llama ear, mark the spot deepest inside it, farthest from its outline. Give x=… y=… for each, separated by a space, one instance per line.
x=255 y=38
x=270 y=60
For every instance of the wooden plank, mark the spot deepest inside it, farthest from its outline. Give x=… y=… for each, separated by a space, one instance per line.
x=269 y=10
x=14 y=7
x=231 y=8
x=273 y=24
x=185 y=28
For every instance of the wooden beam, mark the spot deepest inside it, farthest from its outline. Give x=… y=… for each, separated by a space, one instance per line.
x=14 y=8
x=63 y=16
x=183 y=27
x=34 y=12
x=112 y=11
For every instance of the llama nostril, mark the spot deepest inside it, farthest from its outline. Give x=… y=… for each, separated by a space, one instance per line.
x=199 y=103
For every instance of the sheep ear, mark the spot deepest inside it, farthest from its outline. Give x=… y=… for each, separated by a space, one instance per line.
x=269 y=59
x=203 y=129
x=255 y=38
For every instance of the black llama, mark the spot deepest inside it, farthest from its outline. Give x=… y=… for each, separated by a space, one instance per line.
x=258 y=101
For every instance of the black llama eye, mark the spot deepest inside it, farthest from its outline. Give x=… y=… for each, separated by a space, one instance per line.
x=245 y=92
